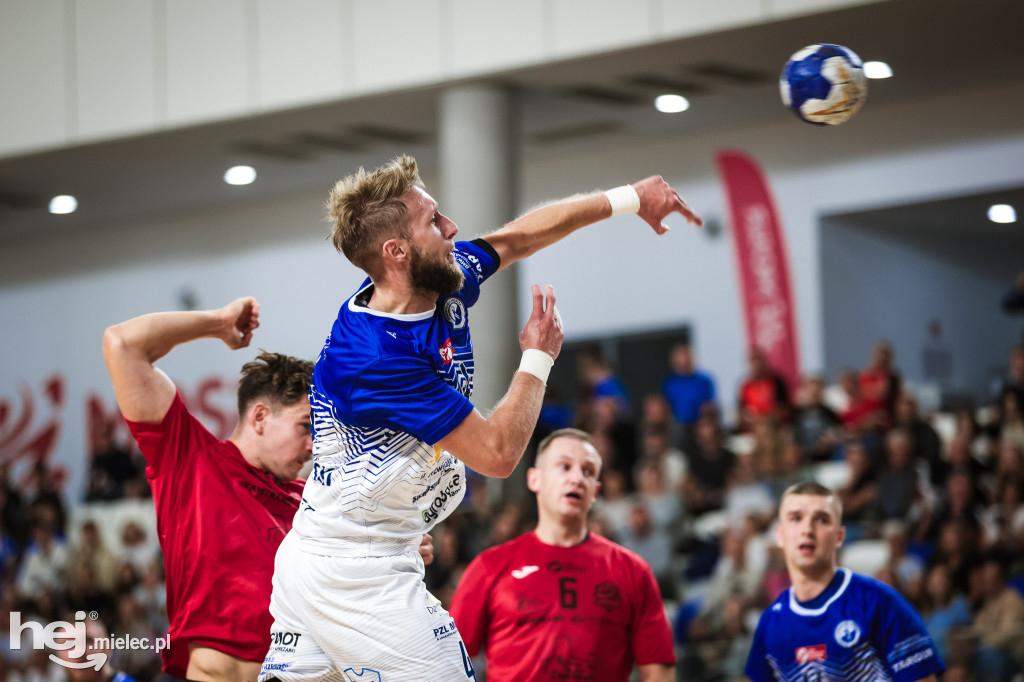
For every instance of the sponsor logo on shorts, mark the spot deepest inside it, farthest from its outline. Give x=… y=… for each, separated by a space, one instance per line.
x=270 y=666
x=432 y=512
x=520 y=573
x=913 y=660
x=809 y=654
x=445 y=631
x=607 y=596
x=285 y=638
x=847 y=633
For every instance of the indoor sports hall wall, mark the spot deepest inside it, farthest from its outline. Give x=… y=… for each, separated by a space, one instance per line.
x=57 y=296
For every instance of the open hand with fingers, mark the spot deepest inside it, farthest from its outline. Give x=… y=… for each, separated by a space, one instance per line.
x=543 y=331
x=658 y=200
x=240 y=318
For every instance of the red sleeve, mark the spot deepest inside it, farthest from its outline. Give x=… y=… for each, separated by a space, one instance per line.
x=469 y=606
x=651 y=633
x=166 y=443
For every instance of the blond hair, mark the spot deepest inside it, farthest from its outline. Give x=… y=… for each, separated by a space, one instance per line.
x=366 y=210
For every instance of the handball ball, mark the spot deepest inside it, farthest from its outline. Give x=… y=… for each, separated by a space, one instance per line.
x=824 y=84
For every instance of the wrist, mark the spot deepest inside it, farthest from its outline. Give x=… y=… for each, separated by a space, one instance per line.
x=536 y=362
x=623 y=199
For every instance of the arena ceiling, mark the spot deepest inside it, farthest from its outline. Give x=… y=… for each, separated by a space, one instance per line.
x=936 y=46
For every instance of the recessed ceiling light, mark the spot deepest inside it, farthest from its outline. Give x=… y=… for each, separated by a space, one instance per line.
x=63 y=203
x=1002 y=213
x=240 y=175
x=877 y=70
x=671 y=104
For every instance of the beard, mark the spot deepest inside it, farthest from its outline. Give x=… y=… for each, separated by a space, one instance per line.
x=439 y=277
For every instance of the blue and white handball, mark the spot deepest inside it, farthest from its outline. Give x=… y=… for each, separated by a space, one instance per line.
x=824 y=84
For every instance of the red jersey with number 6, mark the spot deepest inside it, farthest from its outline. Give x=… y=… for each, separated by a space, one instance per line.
x=542 y=612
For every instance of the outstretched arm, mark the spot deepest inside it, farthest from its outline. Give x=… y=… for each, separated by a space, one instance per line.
x=493 y=445
x=548 y=224
x=144 y=393
x=657 y=672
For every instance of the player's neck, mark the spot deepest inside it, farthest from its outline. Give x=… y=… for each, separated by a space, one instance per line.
x=808 y=584
x=400 y=298
x=561 y=534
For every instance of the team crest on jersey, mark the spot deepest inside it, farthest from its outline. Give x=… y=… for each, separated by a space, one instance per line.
x=607 y=596
x=847 y=633
x=455 y=312
x=809 y=654
x=447 y=352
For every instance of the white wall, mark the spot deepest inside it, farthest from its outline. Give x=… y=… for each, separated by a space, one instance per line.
x=876 y=286
x=57 y=297
x=75 y=71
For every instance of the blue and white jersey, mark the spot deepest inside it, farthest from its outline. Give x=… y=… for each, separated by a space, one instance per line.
x=856 y=629
x=386 y=388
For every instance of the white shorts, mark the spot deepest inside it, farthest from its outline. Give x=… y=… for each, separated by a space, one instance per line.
x=358 y=620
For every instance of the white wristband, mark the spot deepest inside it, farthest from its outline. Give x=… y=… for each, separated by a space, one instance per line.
x=536 y=362
x=623 y=199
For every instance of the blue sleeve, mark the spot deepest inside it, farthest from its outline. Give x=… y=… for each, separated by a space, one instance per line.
x=757 y=668
x=478 y=261
x=903 y=639
x=406 y=394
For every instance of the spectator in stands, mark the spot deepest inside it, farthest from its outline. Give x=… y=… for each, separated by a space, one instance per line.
x=656 y=415
x=1003 y=520
x=880 y=381
x=1014 y=378
x=9 y=548
x=943 y=609
x=998 y=625
x=859 y=493
x=746 y=497
x=660 y=500
x=736 y=573
x=658 y=449
x=837 y=396
x=816 y=426
x=142 y=664
x=599 y=381
x=613 y=503
x=1009 y=465
x=135 y=548
x=151 y=596
x=897 y=489
x=907 y=567
x=763 y=393
x=957 y=551
x=686 y=388
x=97 y=642
x=111 y=466
x=614 y=436
x=793 y=469
x=86 y=593
x=45 y=564
x=927 y=446
x=91 y=551
x=652 y=543
x=1011 y=418
x=709 y=465
x=860 y=416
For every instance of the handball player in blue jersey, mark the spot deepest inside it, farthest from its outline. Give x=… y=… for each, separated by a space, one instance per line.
x=394 y=428
x=833 y=624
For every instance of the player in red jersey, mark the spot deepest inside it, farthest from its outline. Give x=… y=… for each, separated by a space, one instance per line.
x=561 y=603
x=222 y=507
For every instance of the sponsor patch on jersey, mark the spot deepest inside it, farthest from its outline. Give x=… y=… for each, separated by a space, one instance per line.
x=520 y=573
x=455 y=312
x=913 y=660
x=809 y=654
x=847 y=633
x=607 y=596
x=447 y=352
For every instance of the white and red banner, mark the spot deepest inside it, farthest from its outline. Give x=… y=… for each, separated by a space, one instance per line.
x=763 y=264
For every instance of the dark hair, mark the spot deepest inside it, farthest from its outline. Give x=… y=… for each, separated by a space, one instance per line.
x=280 y=379
x=812 y=488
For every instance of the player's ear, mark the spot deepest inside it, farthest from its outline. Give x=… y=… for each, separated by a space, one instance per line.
x=842 y=536
x=778 y=534
x=533 y=479
x=257 y=417
x=395 y=249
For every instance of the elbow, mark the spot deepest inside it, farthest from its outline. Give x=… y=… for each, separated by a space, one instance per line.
x=113 y=343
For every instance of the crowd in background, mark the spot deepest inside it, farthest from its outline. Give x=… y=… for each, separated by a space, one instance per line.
x=690 y=482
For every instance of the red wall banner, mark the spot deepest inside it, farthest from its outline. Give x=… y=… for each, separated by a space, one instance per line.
x=768 y=306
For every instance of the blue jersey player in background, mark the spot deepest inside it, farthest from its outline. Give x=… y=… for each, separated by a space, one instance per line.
x=394 y=426
x=834 y=624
